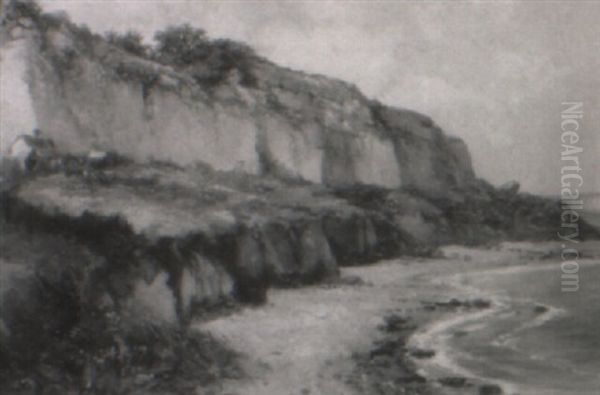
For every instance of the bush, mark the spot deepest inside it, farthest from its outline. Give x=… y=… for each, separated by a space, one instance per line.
x=181 y=45
x=130 y=42
x=228 y=55
x=210 y=62
x=16 y=9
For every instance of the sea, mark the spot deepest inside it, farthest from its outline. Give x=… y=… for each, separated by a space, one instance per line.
x=534 y=340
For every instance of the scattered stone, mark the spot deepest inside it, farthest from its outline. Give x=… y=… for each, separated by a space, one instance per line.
x=383 y=361
x=540 y=309
x=454 y=382
x=479 y=303
x=395 y=323
x=387 y=348
x=411 y=378
x=490 y=389
x=452 y=304
x=422 y=353
x=460 y=333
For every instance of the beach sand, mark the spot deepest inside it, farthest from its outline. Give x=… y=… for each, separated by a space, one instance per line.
x=377 y=330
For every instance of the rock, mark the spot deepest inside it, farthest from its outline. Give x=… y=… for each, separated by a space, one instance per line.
x=421 y=353
x=204 y=283
x=490 y=389
x=351 y=238
x=454 y=382
x=540 y=309
x=395 y=323
x=387 y=348
x=452 y=303
x=280 y=253
x=316 y=259
x=479 y=303
x=460 y=333
x=296 y=253
x=381 y=361
x=251 y=280
x=154 y=302
x=411 y=378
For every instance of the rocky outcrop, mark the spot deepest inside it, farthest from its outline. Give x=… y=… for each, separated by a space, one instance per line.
x=134 y=275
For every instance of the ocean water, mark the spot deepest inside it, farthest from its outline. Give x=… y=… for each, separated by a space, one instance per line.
x=536 y=340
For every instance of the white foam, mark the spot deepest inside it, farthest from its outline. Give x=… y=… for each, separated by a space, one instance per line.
x=438 y=334
x=509 y=339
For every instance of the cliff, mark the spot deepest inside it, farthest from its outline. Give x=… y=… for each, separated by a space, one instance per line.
x=85 y=93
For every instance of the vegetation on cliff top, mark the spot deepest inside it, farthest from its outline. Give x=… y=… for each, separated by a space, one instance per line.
x=184 y=47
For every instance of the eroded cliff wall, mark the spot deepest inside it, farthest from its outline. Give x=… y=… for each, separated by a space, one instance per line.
x=85 y=93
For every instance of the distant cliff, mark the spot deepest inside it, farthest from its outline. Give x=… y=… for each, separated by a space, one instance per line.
x=86 y=93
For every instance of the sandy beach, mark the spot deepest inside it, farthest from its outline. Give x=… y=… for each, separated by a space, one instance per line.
x=324 y=339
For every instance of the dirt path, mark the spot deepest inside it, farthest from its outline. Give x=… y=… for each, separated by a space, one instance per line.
x=302 y=340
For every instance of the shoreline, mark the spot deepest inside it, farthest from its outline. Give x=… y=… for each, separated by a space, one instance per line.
x=435 y=362
x=332 y=338
x=437 y=333
x=424 y=361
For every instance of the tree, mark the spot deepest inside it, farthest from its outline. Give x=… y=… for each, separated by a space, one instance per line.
x=208 y=61
x=181 y=45
x=130 y=42
x=228 y=55
x=15 y=9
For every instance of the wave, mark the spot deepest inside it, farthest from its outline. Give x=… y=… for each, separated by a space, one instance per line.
x=438 y=334
x=509 y=339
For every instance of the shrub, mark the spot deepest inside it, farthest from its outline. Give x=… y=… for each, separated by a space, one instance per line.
x=130 y=42
x=181 y=45
x=21 y=8
x=208 y=61
x=228 y=55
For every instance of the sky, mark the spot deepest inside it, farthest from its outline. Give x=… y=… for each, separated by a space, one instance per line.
x=492 y=73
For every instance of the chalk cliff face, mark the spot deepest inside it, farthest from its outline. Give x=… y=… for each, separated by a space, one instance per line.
x=85 y=93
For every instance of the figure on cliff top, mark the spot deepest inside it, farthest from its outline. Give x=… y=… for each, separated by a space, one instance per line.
x=31 y=151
